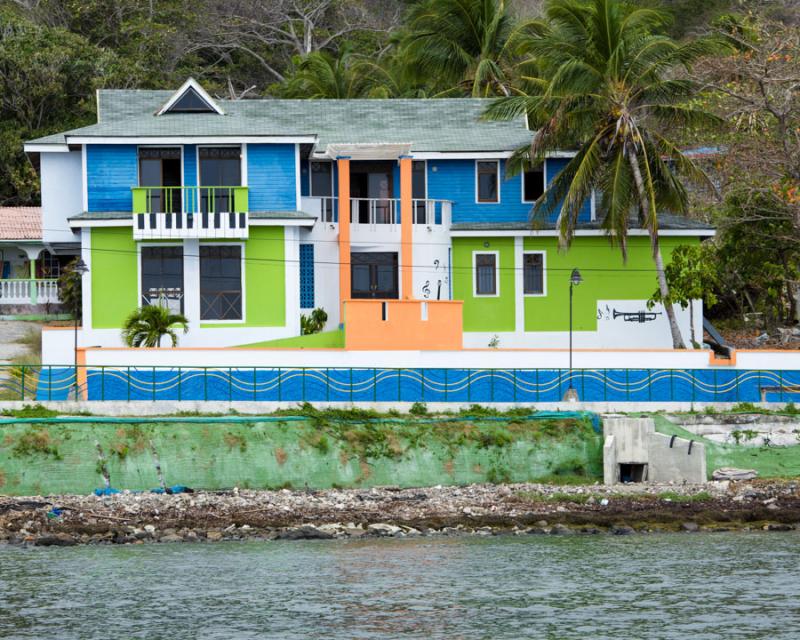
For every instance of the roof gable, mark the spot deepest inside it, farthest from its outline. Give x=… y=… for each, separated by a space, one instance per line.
x=190 y=98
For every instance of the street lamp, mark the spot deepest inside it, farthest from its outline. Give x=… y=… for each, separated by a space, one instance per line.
x=575 y=279
x=78 y=268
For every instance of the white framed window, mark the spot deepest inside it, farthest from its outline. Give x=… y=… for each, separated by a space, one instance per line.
x=534 y=282
x=222 y=287
x=533 y=183
x=485 y=274
x=487 y=181
x=161 y=279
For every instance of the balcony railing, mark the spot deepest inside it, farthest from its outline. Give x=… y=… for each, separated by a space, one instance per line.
x=190 y=212
x=376 y=212
x=43 y=291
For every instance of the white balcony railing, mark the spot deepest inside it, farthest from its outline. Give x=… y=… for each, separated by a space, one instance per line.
x=380 y=212
x=29 y=291
x=164 y=226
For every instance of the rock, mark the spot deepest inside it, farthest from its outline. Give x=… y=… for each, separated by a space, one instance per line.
x=541 y=523
x=691 y=527
x=383 y=529
x=778 y=526
x=171 y=537
x=738 y=475
x=622 y=531
x=773 y=507
x=561 y=530
x=604 y=502
x=149 y=528
x=56 y=540
x=537 y=531
x=590 y=530
x=214 y=535
x=305 y=532
x=591 y=500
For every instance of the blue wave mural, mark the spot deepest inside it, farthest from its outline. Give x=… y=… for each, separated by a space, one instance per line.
x=479 y=386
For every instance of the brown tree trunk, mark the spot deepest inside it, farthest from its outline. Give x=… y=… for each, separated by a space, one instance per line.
x=644 y=201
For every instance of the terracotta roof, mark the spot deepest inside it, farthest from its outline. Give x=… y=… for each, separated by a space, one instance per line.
x=20 y=223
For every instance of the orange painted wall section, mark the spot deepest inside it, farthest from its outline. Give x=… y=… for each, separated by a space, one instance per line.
x=404 y=329
x=406 y=230
x=343 y=166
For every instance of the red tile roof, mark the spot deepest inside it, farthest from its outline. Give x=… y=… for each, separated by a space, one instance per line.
x=20 y=223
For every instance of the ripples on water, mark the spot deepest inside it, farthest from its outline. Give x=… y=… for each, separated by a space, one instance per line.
x=661 y=586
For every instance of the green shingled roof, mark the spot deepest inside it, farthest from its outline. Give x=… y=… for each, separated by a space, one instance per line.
x=444 y=125
x=666 y=222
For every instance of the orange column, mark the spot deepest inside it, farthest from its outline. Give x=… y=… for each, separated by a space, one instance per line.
x=406 y=229
x=344 y=233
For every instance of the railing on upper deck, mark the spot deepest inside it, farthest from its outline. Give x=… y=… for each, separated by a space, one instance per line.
x=190 y=212
x=372 y=212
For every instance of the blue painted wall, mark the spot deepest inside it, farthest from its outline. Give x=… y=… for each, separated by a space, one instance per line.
x=111 y=171
x=271 y=177
x=554 y=165
x=455 y=180
x=190 y=165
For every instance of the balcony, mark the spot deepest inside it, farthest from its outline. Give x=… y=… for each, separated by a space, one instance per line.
x=164 y=213
x=38 y=291
x=380 y=213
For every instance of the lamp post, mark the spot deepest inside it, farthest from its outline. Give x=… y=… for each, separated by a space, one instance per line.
x=575 y=279
x=78 y=268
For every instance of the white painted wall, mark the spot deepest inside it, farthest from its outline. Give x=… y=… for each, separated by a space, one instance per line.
x=325 y=237
x=431 y=259
x=62 y=194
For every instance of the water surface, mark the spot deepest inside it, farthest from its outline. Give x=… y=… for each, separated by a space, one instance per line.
x=738 y=585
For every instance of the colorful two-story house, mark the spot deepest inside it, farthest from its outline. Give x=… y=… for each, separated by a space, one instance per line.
x=399 y=218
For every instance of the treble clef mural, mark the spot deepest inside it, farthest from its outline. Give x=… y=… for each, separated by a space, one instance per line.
x=426 y=289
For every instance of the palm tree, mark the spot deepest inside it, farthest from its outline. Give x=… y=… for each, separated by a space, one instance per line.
x=468 y=47
x=147 y=325
x=321 y=75
x=609 y=86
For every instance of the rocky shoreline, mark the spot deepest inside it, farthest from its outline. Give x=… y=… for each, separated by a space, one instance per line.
x=480 y=510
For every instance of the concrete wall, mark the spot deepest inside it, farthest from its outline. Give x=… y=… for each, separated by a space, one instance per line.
x=62 y=194
x=668 y=459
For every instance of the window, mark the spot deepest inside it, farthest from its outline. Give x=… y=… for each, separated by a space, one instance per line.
x=162 y=277
x=533 y=274
x=220 y=282
x=191 y=102
x=419 y=190
x=219 y=167
x=533 y=184
x=488 y=181
x=321 y=179
x=161 y=167
x=486 y=274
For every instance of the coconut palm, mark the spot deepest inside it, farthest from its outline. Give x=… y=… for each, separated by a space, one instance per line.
x=609 y=86
x=147 y=325
x=470 y=47
x=321 y=75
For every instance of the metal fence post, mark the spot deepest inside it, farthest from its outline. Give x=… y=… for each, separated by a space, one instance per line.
x=154 y=383
x=230 y=385
x=514 y=375
x=446 y=385
x=129 y=383
x=205 y=384
x=649 y=385
x=255 y=386
x=351 y=385
x=583 y=384
x=422 y=386
x=327 y=384
x=491 y=385
x=605 y=385
x=280 y=385
x=303 y=383
x=374 y=385
x=780 y=385
x=469 y=385
x=538 y=390
x=103 y=382
x=23 y=382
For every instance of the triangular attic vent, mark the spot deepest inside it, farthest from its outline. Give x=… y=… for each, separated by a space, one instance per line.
x=190 y=98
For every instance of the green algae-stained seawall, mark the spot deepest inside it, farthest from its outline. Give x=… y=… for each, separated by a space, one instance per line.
x=60 y=457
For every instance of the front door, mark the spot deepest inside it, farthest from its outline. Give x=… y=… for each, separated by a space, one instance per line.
x=161 y=167
x=374 y=275
x=371 y=186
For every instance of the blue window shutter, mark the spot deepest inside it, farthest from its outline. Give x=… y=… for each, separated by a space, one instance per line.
x=306 y=276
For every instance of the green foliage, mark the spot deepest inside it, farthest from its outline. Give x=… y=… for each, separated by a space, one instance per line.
x=146 y=326
x=36 y=442
x=418 y=409
x=691 y=275
x=70 y=289
x=314 y=322
x=30 y=411
x=672 y=496
x=607 y=84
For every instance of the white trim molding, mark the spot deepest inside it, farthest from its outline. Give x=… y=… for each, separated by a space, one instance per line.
x=50 y=147
x=191 y=85
x=544 y=272
x=169 y=140
x=496 y=255
x=553 y=233
x=477 y=182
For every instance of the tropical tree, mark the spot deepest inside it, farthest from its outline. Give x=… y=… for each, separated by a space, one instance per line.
x=609 y=86
x=321 y=74
x=469 y=47
x=147 y=325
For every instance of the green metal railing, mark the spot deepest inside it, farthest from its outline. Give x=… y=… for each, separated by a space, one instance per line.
x=161 y=199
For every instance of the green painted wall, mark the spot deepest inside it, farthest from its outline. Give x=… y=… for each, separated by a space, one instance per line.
x=484 y=313
x=324 y=340
x=605 y=277
x=54 y=458
x=265 y=280
x=114 y=273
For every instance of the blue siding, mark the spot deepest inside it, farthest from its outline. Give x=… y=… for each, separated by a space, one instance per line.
x=111 y=171
x=190 y=165
x=306 y=276
x=455 y=180
x=271 y=177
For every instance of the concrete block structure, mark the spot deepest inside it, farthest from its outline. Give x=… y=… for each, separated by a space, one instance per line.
x=634 y=452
